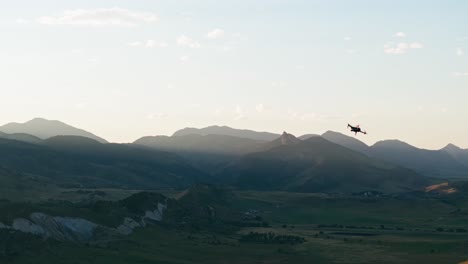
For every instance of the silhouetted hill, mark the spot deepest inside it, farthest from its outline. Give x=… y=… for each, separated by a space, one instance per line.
x=446 y=163
x=433 y=163
x=318 y=165
x=284 y=140
x=307 y=136
x=347 y=141
x=213 y=143
x=228 y=131
x=461 y=155
x=80 y=162
x=208 y=153
x=43 y=128
x=21 y=137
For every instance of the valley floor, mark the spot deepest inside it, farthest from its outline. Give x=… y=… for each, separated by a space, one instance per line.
x=336 y=230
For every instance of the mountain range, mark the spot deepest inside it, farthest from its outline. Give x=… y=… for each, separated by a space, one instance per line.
x=51 y=152
x=43 y=129
x=449 y=162
x=317 y=165
x=73 y=161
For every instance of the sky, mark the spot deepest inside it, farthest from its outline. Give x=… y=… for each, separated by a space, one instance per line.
x=131 y=68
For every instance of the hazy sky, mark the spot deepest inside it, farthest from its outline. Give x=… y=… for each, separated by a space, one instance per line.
x=125 y=69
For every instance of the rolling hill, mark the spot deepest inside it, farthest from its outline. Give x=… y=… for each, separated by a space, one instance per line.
x=448 y=162
x=213 y=143
x=43 y=128
x=459 y=154
x=71 y=161
x=228 y=131
x=208 y=153
x=21 y=137
x=347 y=141
x=318 y=165
x=432 y=163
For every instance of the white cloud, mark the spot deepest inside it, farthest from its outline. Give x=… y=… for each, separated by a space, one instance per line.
x=163 y=44
x=218 y=111
x=401 y=47
x=135 y=44
x=460 y=74
x=347 y=38
x=294 y=115
x=400 y=35
x=215 y=34
x=22 y=21
x=460 y=52
x=260 y=108
x=239 y=113
x=81 y=105
x=184 y=41
x=149 y=44
x=416 y=45
x=114 y=16
x=152 y=44
x=157 y=116
x=77 y=51
x=184 y=59
x=94 y=60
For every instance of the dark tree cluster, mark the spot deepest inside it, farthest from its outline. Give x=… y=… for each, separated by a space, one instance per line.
x=271 y=238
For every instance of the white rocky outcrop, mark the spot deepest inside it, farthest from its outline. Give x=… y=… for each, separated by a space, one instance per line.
x=78 y=229
x=127 y=227
x=65 y=228
x=26 y=226
x=129 y=224
x=60 y=228
x=3 y=226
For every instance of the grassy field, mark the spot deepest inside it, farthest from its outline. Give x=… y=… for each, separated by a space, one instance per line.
x=336 y=230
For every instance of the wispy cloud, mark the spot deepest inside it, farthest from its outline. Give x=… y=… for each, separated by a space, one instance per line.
x=260 y=108
x=347 y=38
x=157 y=116
x=114 y=16
x=22 y=21
x=149 y=44
x=184 y=59
x=294 y=115
x=460 y=74
x=184 y=41
x=81 y=105
x=135 y=44
x=400 y=34
x=239 y=113
x=460 y=52
x=402 y=47
x=215 y=34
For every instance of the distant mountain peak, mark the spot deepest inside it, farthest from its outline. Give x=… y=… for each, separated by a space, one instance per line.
x=44 y=128
x=228 y=131
x=288 y=139
x=451 y=146
x=393 y=143
x=347 y=141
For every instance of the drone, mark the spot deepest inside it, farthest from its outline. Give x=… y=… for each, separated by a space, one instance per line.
x=356 y=129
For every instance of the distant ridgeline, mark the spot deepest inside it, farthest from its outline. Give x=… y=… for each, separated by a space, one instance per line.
x=51 y=153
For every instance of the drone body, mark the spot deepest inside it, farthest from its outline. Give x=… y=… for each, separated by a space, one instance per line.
x=356 y=129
